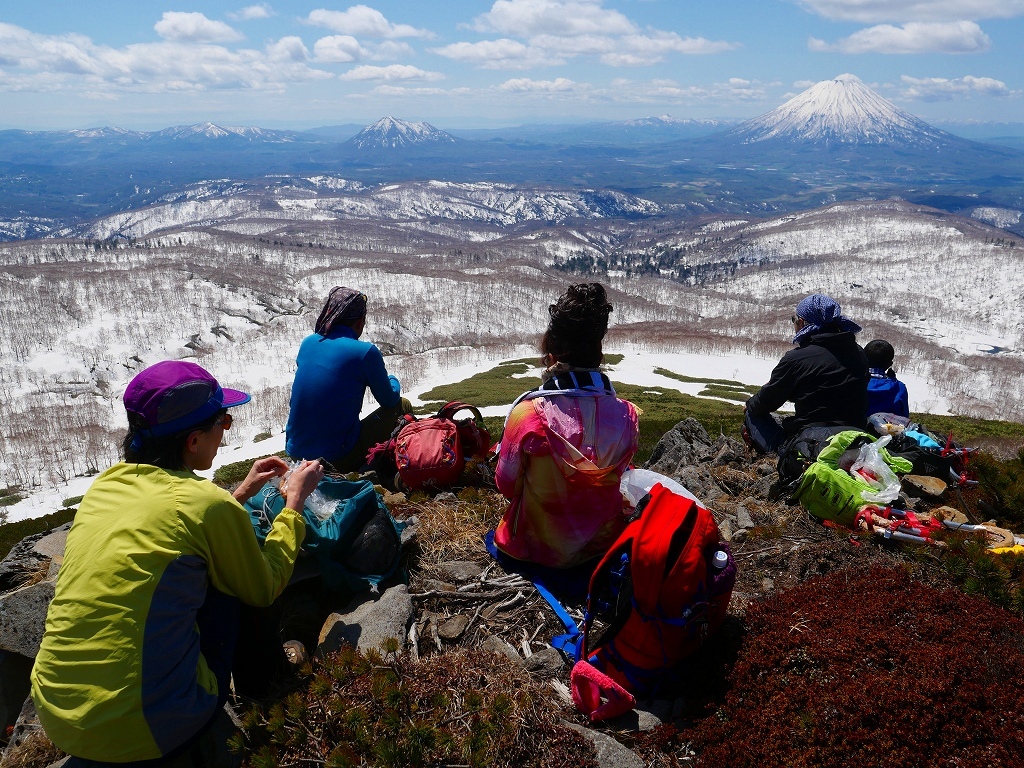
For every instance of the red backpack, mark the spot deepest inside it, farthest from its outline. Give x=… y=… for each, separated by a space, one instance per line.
x=662 y=589
x=432 y=452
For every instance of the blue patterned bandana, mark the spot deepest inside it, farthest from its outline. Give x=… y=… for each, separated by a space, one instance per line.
x=819 y=311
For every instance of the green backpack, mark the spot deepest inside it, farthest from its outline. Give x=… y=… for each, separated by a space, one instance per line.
x=830 y=493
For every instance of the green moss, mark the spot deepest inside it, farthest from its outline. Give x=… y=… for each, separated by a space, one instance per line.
x=699 y=380
x=12 y=533
x=233 y=473
x=494 y=387
x=726 y=393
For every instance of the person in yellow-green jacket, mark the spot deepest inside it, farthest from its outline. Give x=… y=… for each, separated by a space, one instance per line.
x=140 y=636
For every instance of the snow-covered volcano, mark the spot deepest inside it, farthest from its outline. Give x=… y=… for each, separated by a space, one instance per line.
x=843 y=111
x=389 y=133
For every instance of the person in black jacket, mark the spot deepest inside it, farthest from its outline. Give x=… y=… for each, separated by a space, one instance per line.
x=825 y=377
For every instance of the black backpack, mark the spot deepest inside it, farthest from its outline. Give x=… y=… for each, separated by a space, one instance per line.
x=801 y=450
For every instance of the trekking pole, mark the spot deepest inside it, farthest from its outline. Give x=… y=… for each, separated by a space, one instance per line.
x=988 y=530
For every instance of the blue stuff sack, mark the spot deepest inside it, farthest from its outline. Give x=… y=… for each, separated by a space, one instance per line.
x=356 y=547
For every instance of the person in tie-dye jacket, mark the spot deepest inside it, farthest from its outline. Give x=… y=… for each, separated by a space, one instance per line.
x=566 y=444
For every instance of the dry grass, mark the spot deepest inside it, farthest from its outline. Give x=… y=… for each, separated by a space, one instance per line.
x=454 y=530
x=33 y=750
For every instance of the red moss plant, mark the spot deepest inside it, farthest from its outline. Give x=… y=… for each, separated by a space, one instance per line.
x=866 y=667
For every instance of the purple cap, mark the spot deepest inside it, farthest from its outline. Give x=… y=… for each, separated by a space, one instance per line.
x=174 y=394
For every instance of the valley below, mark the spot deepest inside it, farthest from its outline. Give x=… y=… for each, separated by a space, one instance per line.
x=459 y=277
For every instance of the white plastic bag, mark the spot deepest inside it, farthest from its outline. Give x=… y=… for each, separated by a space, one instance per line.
x=637 y=483
x=316 y=502
x=871 y=468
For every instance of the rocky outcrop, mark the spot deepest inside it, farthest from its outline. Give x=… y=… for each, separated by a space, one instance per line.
x=369 y=623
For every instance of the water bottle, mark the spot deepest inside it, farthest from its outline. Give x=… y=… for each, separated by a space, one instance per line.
x=721 y=559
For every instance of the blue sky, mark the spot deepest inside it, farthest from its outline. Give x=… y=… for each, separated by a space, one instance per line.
x=458 y=63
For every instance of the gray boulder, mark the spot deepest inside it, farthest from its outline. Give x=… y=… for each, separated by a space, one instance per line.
x=610 y=753
x=25 y=560
x=23 y=618
x=460 y=571
x=368 y=623
x=682 y=446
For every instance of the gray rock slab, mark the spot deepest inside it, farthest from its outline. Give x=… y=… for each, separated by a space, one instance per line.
x=610 y=753
x=545 y=663
x=743 y=517
x=646 y=716
x=23 y=618
x=368 y=623
x=451 y=629
x=460 y=570
x=495 y=644
x=412 y=527
x=52 y=544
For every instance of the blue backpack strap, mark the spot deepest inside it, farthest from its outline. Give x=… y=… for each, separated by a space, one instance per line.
x=569 y=642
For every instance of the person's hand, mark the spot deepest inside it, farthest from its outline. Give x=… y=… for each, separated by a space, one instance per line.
x=261 y=471
x=302 y=482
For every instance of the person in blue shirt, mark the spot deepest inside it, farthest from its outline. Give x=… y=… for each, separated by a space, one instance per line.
x=886 y=393
x=334 y=370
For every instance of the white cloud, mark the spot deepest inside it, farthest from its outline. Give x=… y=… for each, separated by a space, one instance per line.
x=914 y=37
x=943 y=89
x=401 y=90
x=194 y=28
x=74 y=62
x=389 y=73
x=338 y=48
x=253 y=12
x=874 y=11
x=525 y=85
x=555 y=31
x=525 y=18
x=345 y=48
x=733 y=90
x=289 y=48
x=363 y=21
x=388 y=50
x=498 y=54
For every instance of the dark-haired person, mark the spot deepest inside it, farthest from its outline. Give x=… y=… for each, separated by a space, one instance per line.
x=334 y=371
x=566 y=444
x=140 y=636
x=825 y=377
x=886 y=393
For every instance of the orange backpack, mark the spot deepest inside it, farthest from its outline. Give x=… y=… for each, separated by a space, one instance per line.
x=662 y=589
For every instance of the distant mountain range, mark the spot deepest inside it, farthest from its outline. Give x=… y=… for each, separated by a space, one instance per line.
x=837 y=140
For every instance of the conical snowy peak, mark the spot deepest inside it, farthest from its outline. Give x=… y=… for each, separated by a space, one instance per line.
x=842 y=111
x=389 y=133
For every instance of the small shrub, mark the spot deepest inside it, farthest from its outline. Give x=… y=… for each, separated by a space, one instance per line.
x=458 y=708
x=261 y=437
x=1002 y=484
x=868 y=667
x=231 y=474
x=72 y=501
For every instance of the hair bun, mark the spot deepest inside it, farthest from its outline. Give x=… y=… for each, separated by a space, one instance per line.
x=583 y=305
